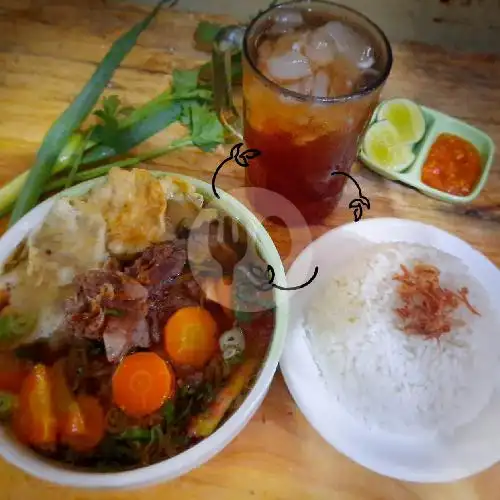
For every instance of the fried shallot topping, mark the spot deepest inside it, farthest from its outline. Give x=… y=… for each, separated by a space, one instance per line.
x=428 y=308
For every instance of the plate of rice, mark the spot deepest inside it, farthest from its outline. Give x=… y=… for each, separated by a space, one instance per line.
x=394 y=350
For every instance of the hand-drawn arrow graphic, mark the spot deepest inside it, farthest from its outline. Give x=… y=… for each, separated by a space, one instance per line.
x=240 y=158
x=357 y=204
x=265 y=279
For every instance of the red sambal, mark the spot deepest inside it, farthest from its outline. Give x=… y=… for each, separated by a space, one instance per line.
x=452 y=166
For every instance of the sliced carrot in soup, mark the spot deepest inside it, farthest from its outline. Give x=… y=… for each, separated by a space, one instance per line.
x=142 y=383
x=93 y=422
x=70 y=421
x=34 y=421
x=190 y=337
x=13 y=371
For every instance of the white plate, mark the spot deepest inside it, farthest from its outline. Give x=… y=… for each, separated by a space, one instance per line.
x=473 y=448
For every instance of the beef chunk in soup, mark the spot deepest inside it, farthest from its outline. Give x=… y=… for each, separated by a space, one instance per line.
x=159 y=263
x=111 y=306
x=157 y=269
x=166 y=298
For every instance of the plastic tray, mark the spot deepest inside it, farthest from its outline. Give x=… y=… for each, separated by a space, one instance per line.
x=435 y=124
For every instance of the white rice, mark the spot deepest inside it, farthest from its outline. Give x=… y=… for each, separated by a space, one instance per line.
x=398 y=382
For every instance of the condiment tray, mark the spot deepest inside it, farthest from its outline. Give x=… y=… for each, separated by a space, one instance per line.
x=437 y=123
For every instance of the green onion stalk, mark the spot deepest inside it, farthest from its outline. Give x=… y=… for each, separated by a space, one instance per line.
x=92 y=173
x=10 y=192
x=68 y=147
x=71 y=120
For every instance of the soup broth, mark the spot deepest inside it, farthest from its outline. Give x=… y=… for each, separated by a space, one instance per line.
x=151 y=355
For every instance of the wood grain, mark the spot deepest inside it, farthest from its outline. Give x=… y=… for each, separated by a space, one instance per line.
x=47 y=51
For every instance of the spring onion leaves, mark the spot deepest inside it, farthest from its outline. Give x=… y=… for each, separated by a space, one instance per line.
x=119 y=128
x=168 y=412
x=14 y=326
x=62 y=129
x=135 y=434
x=77 y=160
x=10 y=192
x=92 y=173
x=141 y=434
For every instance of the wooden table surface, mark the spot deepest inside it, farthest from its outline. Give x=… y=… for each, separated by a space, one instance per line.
x=48 y=49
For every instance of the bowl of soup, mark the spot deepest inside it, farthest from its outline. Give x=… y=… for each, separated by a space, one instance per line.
x=138 y=330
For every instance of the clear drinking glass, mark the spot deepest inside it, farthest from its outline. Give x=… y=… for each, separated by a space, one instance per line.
x=312 y=76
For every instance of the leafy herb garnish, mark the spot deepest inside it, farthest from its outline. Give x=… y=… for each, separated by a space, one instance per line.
x=185 y=81
x=122 y=140
x=206 y=130
x=110 y=115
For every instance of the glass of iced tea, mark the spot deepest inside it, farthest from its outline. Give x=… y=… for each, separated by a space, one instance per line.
x=312 y=75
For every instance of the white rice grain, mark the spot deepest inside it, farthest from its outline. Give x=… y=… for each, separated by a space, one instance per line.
x=393 y=381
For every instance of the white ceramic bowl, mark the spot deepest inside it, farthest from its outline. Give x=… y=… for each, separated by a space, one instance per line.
x=21 y=456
